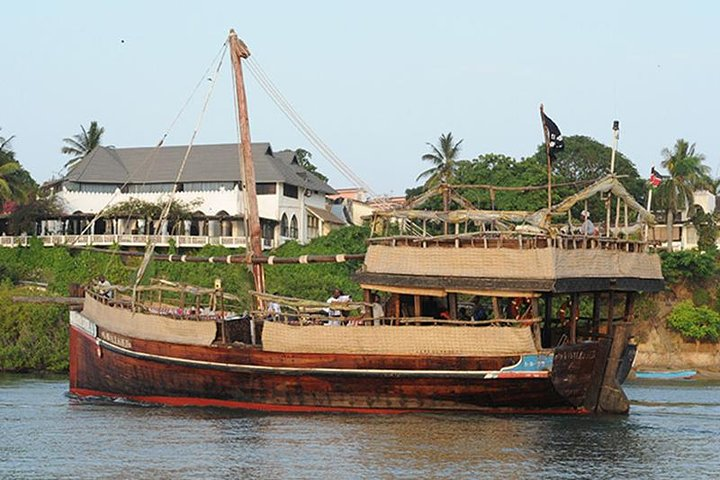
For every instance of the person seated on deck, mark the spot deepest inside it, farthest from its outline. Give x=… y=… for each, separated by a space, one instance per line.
x=479 y=313
x=104 y=287
x=273 y=307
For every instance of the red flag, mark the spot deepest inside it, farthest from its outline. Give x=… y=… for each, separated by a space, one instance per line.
x=655 y=178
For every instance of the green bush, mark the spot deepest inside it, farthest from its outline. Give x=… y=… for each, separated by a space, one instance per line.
x=35 y=337
x=700 y=296
x=690 y=265
x=316 y=281
x=696 y=323
x=32 y=336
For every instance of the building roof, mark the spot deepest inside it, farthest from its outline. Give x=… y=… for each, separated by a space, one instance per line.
x=312 y=182
x=206 y=163
x=325 y=215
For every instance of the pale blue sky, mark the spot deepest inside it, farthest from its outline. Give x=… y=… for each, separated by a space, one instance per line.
x=377 y=80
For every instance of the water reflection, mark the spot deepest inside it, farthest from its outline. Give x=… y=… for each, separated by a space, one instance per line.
x=670 y=433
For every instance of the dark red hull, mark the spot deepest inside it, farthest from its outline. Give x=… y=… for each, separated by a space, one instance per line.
x=247 y=377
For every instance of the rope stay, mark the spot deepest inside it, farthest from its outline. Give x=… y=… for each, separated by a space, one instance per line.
x=296 y=119
x=149 y=160
x=150 y=250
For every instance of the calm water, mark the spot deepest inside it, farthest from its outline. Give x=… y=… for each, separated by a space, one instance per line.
x=672 y=432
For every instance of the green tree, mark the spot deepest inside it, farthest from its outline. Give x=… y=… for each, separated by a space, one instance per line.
x=83 y=143
x=303 y=158
x=584 y=158
x=502 y=170
x=26 y=215
x=688 y=173
x=444 y=158
x=15 y=182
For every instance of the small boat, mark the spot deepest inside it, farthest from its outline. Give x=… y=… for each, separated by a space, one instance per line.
x=666 y=374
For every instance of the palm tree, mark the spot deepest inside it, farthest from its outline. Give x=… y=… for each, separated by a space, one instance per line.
x=688 y=174
x=83 y=143
x=444 y=158
x=8 y=167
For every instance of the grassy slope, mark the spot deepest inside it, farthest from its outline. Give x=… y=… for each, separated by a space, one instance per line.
x=35 y=337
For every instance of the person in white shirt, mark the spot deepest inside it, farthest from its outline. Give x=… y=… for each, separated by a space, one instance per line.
x=378 y=311
x=335 y=314
x=587 y=227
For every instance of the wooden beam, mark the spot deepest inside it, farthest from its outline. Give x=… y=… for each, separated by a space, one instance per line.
x=238 y=52
x=547 y=323
x=611 y=313
x=596 y=315
x=574 y=314
x=629 y=306
x=55 y=300
x=452 y=305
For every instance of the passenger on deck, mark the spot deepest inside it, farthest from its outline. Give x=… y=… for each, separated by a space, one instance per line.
x=334 y=314
x=273 y=307
x=587 y=227
x=479 y=312
x=378 y=311
x=104 y=287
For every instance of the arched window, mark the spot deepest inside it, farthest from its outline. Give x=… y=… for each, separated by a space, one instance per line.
x=284 y=226
x=293 y=227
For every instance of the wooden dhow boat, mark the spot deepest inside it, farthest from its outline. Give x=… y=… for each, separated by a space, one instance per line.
x=505 y=314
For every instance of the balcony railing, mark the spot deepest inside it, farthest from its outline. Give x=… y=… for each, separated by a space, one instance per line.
x=183 y=241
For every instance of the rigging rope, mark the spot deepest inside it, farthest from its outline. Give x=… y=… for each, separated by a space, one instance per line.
x=148 y=162
x=171 y=198
x=289 y=111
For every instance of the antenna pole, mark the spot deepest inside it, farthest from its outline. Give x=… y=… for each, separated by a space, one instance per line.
x=616 y=137
x=238 y=52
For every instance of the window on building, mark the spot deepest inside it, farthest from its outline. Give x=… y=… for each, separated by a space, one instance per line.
x=90 y=187
x=293 y=227
x=208 y=186
x=150 y=188
x=266 y=188
x=313 y=227
x=284 y=230
x=290 y=190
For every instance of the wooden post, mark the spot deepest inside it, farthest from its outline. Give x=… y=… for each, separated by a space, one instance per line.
x=446 y=204
x=536 y=326
x=238 y=52
x=547 y=321
x=629 y=306
x=452 y=305
x=574 y=314
x=626 y=213
x=611 y=313
x=596 y=315
x=617 y=215
x=416 y=305
x=395 y=307
x=496 y=308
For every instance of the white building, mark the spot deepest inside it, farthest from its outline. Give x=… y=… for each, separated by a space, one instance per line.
x=291 y=201
x=684 y=233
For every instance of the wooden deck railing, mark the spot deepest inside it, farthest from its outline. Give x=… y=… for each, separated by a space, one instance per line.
x=514 y=240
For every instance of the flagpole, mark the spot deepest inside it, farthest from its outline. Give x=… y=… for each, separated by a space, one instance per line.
x=608 y=203
x=547 y=155
x=649 y=204
x=616 y=137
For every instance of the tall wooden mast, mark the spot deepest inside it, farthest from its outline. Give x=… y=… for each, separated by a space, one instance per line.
x=239 y=51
